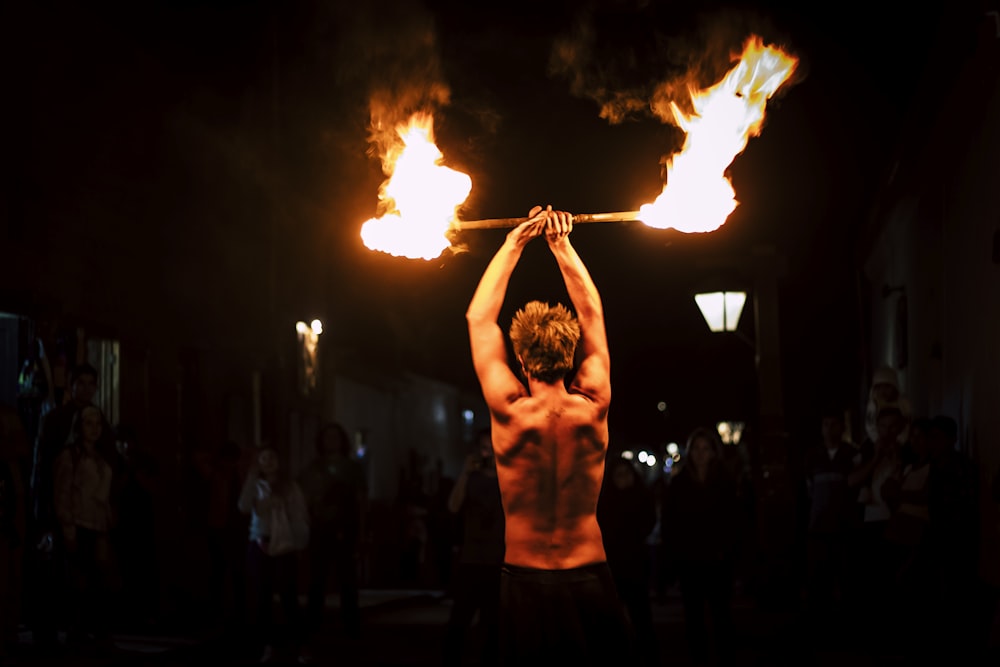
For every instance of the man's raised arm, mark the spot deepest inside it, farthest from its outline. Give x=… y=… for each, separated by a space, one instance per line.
x=489 y=352
x=594 y=375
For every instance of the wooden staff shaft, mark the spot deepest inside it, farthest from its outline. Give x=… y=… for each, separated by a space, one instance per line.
x=508 y=223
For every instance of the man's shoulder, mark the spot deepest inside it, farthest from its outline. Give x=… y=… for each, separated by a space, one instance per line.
x=594 y=395
x=573 y=398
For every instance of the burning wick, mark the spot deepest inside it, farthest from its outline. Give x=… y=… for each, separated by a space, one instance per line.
x=420 y=197
x=698 y=196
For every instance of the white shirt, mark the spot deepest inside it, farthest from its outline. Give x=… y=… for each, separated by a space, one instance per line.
x=877 y=509
x=82 y=484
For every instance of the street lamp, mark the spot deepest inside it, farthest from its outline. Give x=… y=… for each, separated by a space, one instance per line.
x=308 y=335
x=721 y=310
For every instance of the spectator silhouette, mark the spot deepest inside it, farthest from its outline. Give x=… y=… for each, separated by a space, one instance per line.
x=83 y=482
x=47 y=560
x=52 y=436
x=701 y=529
x=36 y=394
x=906 y=543
x=336 y=493
x=877 y=473
x=14 y=454
x=953 y=534
x=411 y=504
x=663 y=575
x=990 y=588
x=476 y=498
x=885 y=392
x=828 y=466
x=227 y=534
x=626 y=513
x=268 y=494
x=440 y=535
x=134 y=535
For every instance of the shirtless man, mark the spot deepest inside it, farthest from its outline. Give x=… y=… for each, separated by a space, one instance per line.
x=558 y=599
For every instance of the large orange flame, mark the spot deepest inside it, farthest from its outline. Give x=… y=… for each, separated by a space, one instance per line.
x=698 y=197
x=419 y=199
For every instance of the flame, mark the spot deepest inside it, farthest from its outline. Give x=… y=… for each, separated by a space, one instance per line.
x=420 y=198
x=698 y=197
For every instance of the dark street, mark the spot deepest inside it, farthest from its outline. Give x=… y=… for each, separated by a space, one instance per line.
x=406 y=629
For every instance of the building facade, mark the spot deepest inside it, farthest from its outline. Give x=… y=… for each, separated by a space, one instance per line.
x=930 y=258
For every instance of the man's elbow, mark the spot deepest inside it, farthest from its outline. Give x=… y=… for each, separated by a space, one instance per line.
x=475 y=316
x=479 y=323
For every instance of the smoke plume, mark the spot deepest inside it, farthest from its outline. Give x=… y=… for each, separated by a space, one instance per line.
x=633 y=59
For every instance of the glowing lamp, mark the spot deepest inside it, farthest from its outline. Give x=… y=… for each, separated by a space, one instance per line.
x=721 y=310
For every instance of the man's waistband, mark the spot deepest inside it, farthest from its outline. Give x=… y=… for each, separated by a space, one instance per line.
x=563 y=575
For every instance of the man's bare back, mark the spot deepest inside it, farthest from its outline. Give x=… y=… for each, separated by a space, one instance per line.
x=549 y=441
x=558 y=596
x=550 y=464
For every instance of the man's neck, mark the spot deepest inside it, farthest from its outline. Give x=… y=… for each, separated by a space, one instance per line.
x=537 y=388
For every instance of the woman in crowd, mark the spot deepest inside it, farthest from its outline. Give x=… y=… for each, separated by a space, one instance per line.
x=279 y=530
x=700 y=519
x=82 y=484
x=626 y=512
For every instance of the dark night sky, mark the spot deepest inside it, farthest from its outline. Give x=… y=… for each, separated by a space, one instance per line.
x=189 y=110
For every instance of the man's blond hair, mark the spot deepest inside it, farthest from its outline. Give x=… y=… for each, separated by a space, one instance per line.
x=545 y=338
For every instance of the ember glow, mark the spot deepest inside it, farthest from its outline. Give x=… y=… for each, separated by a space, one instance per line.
x=419 y=200
x=698 y=197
